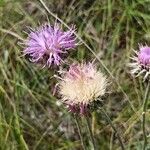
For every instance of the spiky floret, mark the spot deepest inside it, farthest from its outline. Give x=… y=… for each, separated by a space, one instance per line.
x=47 y=44
x=140 y=64
x=81 y=85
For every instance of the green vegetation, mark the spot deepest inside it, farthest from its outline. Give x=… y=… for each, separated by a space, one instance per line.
x=30 y=116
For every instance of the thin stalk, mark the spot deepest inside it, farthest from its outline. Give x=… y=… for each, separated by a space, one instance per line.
x=114 y=128
x=79 y=131
x=144 y=115
x=90 y=132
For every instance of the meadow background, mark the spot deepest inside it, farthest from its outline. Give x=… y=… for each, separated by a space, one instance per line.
x=30 y=116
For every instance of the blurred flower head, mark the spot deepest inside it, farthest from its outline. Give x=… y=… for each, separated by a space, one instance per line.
x=47 y=44
x=141 y=62
x=81 y=85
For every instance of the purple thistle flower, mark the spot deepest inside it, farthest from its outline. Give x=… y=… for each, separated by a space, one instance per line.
x=47 y=44
x=141 y=62
x=144 y=56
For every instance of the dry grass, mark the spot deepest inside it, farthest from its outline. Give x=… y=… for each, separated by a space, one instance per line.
x=30 y=116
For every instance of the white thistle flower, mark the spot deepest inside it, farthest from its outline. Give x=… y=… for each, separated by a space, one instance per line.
x=81 y=85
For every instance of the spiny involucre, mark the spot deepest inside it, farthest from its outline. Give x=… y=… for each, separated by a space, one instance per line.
x=47 y=43
x=81 y=85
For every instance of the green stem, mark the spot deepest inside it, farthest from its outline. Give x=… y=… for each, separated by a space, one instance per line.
x=90 y=131
x=114 y=128
x=79 y=131
x=18 y=135
x=144 y=115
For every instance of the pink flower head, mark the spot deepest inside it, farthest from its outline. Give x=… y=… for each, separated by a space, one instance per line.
x=141 y=62
x=47 y=44
x=81 y=85
x=144 y=56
